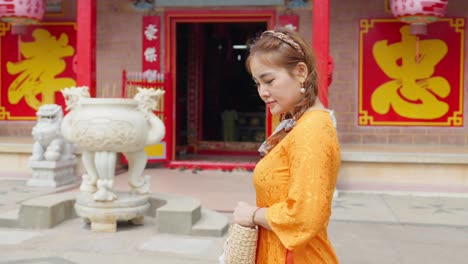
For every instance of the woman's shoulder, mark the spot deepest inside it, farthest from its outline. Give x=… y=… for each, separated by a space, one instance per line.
x=320 y=117
x=315 y=125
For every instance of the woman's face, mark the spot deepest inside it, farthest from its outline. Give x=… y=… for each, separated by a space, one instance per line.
x=277 y=88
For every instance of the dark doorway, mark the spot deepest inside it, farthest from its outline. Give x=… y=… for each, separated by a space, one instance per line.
x=218 y=108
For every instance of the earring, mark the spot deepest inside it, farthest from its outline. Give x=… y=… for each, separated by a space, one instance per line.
x=302 y=88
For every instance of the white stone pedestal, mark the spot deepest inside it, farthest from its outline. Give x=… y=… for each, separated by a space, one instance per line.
x=103 y=216
x=52 y=173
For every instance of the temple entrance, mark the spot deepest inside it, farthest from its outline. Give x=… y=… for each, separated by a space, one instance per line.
x=214 y=116
x=218 y=112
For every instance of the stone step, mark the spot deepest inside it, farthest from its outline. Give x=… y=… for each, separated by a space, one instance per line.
x=211 y=224
x=15 y=153
x=10 y=218
x=47 y=211
x=174 y=214
x=178 y=215
x=185 y=216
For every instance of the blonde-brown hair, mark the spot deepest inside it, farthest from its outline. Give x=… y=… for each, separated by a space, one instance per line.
x=284 y=53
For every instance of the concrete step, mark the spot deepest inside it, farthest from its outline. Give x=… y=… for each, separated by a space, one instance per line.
x=10 y=218
x=178 y=215
x=185 y=216
x=174 y=214
x=14 y=154
x=47 y=211
x=211 y=224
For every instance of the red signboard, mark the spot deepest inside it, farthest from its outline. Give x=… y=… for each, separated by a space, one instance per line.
x=151 y=51
x=396 y=88
x=35 y=66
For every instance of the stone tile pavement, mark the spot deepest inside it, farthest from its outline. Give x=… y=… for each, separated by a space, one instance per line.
x=14 y=191
x=401 y=209
x=365 y=228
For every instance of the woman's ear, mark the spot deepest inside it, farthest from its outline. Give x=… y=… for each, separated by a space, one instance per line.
x=302 y=70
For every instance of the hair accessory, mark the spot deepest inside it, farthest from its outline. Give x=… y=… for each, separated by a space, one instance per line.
x=285 y=38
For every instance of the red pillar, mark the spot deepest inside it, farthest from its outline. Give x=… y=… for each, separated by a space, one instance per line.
x=321 y=44
x=86 y=44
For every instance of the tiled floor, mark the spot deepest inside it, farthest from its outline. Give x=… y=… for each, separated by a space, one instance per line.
x=364 y=228
x=221 y=191
x=401 y=209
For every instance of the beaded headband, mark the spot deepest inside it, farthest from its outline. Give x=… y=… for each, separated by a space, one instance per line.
x=285 y=38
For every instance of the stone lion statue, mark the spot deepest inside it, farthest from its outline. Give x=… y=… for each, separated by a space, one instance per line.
x=49 y=144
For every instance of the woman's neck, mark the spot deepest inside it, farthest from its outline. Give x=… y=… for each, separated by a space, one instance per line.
x=316 y=106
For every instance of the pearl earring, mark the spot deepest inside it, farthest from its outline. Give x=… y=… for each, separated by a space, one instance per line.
x=302 y=88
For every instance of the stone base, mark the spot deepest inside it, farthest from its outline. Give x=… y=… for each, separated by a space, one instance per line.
x=103 y=216
x=404 y=169
x=52 y=173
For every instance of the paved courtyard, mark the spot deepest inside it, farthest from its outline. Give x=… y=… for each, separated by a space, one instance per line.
x=365 y=228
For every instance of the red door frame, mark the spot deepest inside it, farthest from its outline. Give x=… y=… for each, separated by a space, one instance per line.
x=171 y=18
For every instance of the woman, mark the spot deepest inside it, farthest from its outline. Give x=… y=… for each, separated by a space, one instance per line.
x=295 y=179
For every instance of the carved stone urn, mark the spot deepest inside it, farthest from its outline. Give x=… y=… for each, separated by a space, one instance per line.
x=102 y=127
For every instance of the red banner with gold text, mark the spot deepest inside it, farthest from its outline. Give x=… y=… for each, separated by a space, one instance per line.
x=396 y=88
x=35 y=66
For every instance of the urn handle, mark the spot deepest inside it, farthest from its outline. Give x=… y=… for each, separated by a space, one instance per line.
x=148 y=100
x=73 y=95
x=147 y=103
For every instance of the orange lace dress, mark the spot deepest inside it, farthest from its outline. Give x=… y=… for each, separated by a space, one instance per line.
x=296 y=181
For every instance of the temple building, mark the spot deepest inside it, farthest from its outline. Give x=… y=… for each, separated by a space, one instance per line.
x=394 y=77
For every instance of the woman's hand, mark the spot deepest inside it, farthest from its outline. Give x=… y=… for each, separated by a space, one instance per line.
x=243 y=214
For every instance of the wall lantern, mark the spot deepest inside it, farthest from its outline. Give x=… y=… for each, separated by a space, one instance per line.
x=21 y=13
x=418 y=13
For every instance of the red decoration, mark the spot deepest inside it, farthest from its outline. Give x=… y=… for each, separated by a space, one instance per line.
x=418 y=13
x=22 y=12
x=32 y=75
x=396 y=91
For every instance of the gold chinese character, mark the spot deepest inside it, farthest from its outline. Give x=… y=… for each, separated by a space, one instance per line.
x=413 y=92
x=44 y=60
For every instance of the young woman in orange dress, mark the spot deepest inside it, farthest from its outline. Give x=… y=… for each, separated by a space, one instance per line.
x=295 y=180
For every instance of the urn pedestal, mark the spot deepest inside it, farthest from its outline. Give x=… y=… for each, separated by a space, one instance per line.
x=103 y=216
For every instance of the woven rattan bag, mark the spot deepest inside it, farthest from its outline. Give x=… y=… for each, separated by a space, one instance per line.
x=240 y=246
